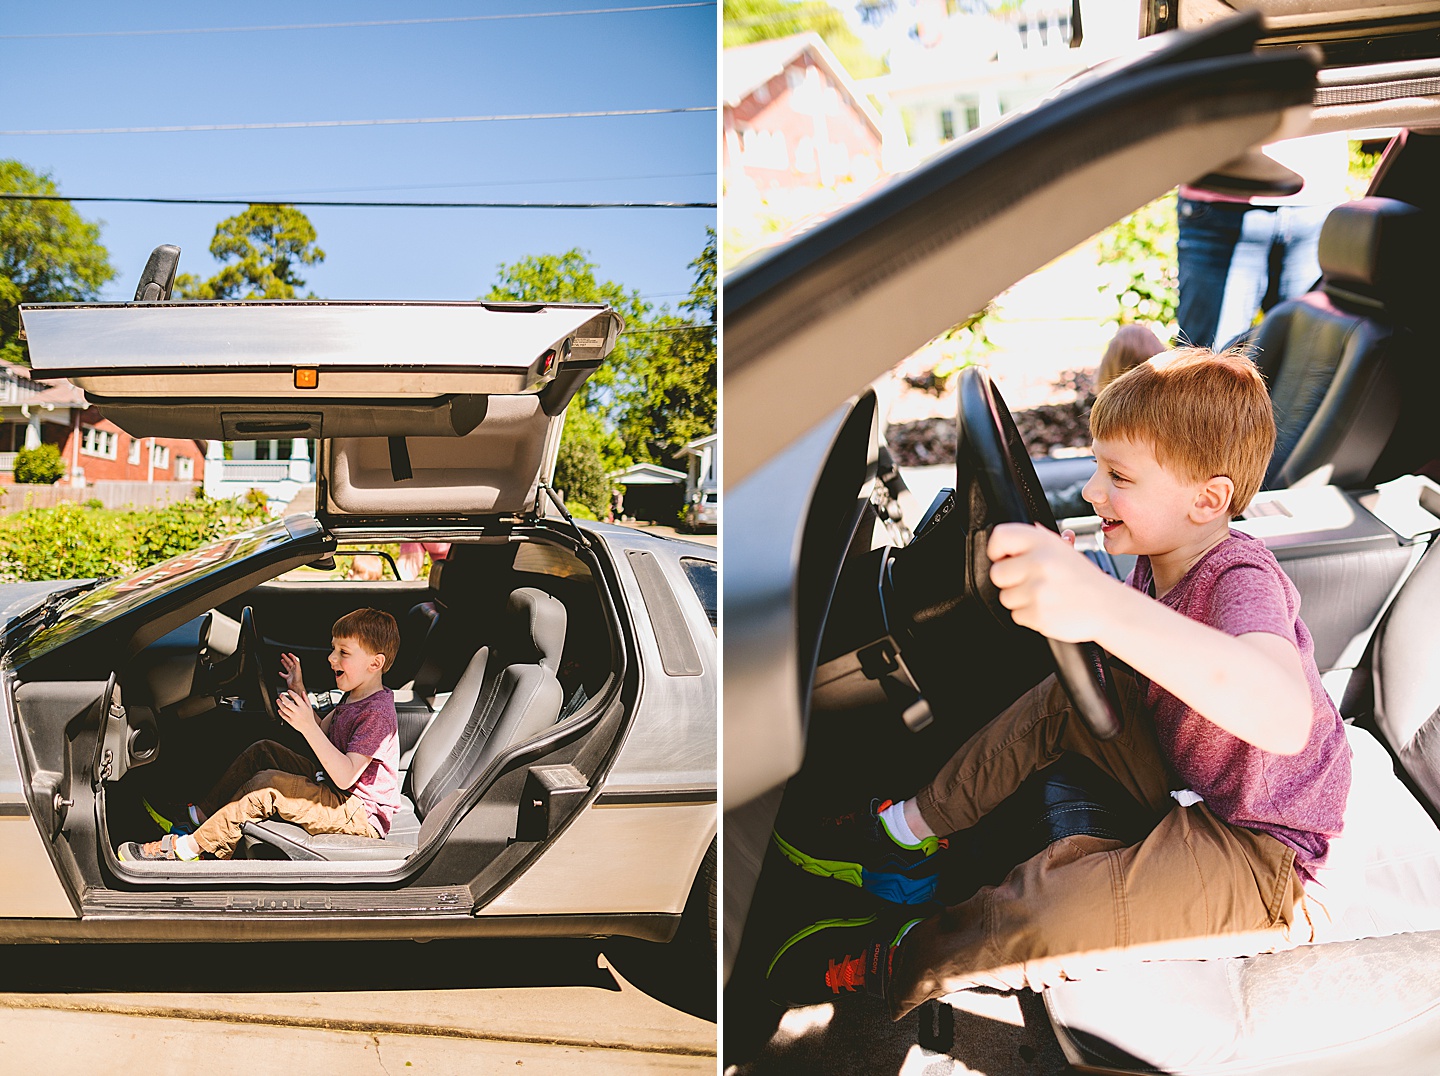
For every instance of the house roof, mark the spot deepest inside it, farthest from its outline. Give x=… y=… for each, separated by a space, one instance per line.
x=748 y=67
x=19 y=386
x=694 y=447
x=648 y=474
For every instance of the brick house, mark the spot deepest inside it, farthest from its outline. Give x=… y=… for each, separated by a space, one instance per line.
x=34 y=412
x=793 y=117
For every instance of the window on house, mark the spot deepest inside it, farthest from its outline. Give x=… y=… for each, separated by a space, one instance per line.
x=184 y=468
x=97 y=442
x=947 y=124
x=133 y=458
x=160 y=456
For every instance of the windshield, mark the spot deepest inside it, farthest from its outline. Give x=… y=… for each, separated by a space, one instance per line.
x=115 y=598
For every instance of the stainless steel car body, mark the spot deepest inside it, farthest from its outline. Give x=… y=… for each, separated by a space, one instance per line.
x=471 y=396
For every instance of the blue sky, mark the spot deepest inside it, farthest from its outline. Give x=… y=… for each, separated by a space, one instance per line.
x=635 y=60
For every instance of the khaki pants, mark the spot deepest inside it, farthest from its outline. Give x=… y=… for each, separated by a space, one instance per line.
x=268 y=780
x=1195 y=886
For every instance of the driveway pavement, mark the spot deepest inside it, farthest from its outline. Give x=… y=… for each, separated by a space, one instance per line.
x=444 y=1008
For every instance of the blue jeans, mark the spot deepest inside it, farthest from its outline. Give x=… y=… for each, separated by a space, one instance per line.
x=1231 y=254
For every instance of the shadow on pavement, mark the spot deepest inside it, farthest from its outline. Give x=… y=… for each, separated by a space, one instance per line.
x=303 y=967
x=856 y=1036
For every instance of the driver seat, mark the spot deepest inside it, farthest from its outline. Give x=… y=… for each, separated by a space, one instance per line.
x=507 y=694
x=1367 y=992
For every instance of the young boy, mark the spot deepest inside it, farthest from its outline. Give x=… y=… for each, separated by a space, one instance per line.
x=1227 y=735
x=355 y=791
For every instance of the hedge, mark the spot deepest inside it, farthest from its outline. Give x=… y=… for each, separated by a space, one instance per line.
x=73 y=541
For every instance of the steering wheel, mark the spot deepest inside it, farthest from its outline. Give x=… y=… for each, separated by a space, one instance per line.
x=250 y=669
x=993 y=467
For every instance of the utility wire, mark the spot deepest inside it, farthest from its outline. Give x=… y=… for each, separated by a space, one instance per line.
x=668 y=329
x=296 y=124
x=350 y=25
x=492 y=183
x=9 y=196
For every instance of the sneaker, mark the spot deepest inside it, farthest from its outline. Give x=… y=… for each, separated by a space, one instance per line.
x=164 y=848
x=858 y=849
x=833 y=957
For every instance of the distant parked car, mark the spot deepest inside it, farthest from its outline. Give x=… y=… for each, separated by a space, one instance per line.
x=702 y=511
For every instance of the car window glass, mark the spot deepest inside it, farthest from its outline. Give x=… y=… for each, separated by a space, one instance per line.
x=362 y=564
x=542 y=558
x=702 y=577
x=115 y=597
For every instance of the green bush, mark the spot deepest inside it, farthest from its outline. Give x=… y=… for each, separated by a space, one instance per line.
x=64 y=542
x=580 y=473
x=39 y=466
x=73 y=541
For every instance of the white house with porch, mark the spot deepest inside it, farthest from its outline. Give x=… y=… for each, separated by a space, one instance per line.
x=279 y=469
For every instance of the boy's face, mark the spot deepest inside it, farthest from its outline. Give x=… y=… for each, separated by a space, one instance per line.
x=1144 y=508
x=351 y=663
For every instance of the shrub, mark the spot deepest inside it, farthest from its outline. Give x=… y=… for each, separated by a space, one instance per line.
x=580 y=472
x=41 y=465
x=72 y=541
x=64 y=542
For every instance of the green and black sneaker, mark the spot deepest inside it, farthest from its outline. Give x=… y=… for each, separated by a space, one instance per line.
x=858 y=849
x=833 y=957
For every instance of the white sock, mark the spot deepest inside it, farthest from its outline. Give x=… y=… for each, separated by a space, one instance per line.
x=893 y=819
x=186 y=848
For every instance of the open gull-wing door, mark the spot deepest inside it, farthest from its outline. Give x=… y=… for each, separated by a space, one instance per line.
x=841 y=304
x=422 y=409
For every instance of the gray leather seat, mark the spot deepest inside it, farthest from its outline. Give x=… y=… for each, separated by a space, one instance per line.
x=1340 y=359
x=1342 y=1006
x=507 y=694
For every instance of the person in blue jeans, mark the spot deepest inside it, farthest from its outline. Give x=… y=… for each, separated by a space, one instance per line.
x=1234 y=252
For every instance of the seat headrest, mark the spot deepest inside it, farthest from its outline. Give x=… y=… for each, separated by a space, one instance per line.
x=437 y=569
x=536 y=628
x=1372 y=251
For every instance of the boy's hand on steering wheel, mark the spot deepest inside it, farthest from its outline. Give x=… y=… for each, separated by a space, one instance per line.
x=1046 y=584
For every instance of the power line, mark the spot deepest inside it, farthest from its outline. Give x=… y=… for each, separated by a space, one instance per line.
x=352 y=25
x=495 y=183
x=668 y=329
x=297 y=124
x=13 y=197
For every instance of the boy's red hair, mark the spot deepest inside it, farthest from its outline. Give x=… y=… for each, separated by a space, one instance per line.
x=374 y=629
x=1201 y=413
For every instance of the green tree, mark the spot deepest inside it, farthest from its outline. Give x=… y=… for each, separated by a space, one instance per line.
x=593 y=416
x=677 y=402
x=48 y=253
x=1140 y=249
x=748 y=21
x=581 y=474
x=40 y=465
x=265 y=247
x=657 y=389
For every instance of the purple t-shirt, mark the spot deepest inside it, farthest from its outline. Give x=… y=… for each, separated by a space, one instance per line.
x=1239 y=587
x=369 y=727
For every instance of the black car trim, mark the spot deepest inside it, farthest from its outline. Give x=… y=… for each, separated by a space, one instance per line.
x=159 y=925
x=648 y=799
x=679 y=656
